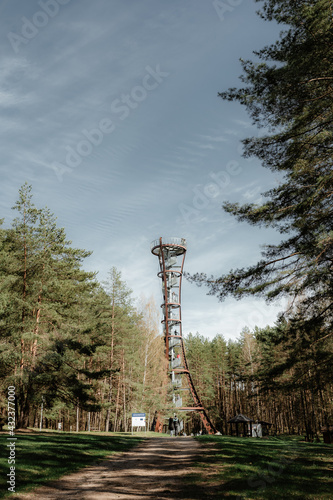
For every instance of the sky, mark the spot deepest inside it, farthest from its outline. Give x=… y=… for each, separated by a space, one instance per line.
x=110 y=110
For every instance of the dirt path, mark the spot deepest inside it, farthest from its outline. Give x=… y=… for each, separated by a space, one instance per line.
x=155 y=469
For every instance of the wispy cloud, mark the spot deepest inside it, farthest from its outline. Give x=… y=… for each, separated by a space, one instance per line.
x=211 y=138
x=128 y=189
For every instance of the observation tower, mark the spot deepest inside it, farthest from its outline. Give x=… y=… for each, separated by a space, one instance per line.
x=171 y=254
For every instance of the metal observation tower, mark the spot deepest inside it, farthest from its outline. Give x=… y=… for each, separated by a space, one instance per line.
x=171 y=254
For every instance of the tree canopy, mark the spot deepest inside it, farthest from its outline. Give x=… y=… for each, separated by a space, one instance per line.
x=66 y=341
x=288 y=90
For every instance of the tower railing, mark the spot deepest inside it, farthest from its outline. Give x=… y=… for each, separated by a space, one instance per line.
x=180 y=242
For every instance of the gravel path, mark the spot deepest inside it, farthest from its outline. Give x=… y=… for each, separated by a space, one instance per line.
x=154 y=469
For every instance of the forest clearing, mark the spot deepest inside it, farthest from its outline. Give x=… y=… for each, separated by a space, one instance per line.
x=185 y=468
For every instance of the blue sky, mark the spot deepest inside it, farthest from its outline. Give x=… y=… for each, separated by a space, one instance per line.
x=109 y=109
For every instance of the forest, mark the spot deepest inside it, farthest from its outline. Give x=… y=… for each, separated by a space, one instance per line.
x=79 y=348
x=265 y=376
x=86 y=355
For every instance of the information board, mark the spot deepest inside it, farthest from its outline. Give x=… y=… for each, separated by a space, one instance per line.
x=138 y=420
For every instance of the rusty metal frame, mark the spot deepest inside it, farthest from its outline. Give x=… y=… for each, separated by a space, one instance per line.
x=210 y=428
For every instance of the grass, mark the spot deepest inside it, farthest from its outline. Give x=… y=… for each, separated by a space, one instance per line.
x=42 y=457
x=234 y=468
x=274 y=468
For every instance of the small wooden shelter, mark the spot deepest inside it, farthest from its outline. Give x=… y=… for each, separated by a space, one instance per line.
x=245 y=424
x=265 y=427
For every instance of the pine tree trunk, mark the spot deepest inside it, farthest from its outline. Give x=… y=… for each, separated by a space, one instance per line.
x=24 y=293
x=124 y=395
x=117 y=407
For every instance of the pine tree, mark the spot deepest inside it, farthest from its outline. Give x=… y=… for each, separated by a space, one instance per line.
x=45 y=284
x=199 y=358
x=219 y=409
x=152 y=362
x=289 y=92
x=290 y=369
x=120 y=328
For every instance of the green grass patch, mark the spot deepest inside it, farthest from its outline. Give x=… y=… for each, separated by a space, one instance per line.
x=45 y=456
x=274 y=468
